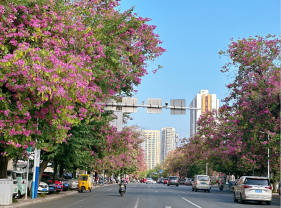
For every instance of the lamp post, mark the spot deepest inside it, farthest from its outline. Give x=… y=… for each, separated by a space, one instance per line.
x=267 y=154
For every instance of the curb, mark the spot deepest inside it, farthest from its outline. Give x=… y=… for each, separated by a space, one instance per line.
x=37 y=200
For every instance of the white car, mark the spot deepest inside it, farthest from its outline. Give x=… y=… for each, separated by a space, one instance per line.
x=149 y=180
x=253 y=188
x=153 y=181
x=42 y=188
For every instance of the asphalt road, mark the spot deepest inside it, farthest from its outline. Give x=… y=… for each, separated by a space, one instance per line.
x=151 y=196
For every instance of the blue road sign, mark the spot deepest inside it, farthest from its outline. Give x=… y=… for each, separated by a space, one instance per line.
x=160 y=171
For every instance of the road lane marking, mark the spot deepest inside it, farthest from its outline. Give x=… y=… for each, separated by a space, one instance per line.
x=137 y=203
x=191 y=202
x=87 y=198
x=168 y=207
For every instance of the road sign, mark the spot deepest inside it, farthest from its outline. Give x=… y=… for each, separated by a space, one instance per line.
x=130 y=101
x=154 y=101
x=160 y=171
x=118 y=122
x=29 y=149
x=177 y=103
x=108 y=102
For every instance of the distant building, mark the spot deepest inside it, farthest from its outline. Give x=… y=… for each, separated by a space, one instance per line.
x=168 y=142
x=206 y=102
x=151 y=146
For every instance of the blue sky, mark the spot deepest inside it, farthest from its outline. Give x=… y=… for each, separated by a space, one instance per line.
x=194 y=31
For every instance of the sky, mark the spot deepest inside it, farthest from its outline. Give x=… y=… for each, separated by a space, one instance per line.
x=194 y=31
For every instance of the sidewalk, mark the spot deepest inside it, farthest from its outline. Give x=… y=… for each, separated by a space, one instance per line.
x=22 y=202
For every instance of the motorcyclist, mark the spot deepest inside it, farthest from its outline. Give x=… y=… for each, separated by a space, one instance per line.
x=123 y=182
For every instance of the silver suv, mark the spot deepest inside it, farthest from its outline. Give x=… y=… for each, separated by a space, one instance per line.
x=201 y=182
x=253 y=188
x=173 y=180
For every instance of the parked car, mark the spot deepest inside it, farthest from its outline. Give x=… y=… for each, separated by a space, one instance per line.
x=201 y=182
x=12 y=175
x=52 y=186
x=59 y=185
x=253 y=188
x=42 y=187
x=153 y=181
x=165 y=181
x=173 y=180
x=158 y=180
x=65 y=183
x=188 y=182
x=149 y=180
x=143 y=180
x=162 y=180
x=182 y=181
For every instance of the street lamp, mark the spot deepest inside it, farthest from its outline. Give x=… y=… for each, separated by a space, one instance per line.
x=267 y=154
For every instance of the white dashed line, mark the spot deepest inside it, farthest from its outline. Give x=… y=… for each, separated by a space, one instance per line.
x=191 y=202
x=137 y=203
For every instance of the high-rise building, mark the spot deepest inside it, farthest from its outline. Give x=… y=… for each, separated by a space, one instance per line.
x=168 y=142
x=151 y=146
x=206 y=102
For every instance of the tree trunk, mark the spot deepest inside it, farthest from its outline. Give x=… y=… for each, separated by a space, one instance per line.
x=61 y=170
x=55 y=170
x=74 y=172
x=3 y=166
x=274 y=187
x=42 y=167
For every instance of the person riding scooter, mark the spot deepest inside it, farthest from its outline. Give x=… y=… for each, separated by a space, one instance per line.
x=122 y=184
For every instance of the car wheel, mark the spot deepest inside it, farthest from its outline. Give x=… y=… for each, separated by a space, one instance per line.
x=83 y=189
x=259 y=202
x=177 y=185
x=268 y=203
x=234 y=198
x=167 y=184
x=241 y=200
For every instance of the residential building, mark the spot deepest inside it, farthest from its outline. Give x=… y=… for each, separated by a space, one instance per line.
x=151 y=146
x=206 y=102
x=168 y=142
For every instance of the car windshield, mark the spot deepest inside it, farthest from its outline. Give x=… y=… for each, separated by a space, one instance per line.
x=203 y=178
x=173 y=178
x=44 y=180
x=149 y=178
x=83 y=178
x=20 y=175
x=254 y=181
x=166 y=178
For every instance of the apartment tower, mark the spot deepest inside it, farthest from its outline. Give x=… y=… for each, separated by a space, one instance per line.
x=151 y=146
x=206 y=102
x=168 y=142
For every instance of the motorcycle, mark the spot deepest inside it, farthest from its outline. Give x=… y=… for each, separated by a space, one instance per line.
x=122 y=188
x=221 y=187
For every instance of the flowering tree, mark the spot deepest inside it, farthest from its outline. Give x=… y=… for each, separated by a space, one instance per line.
x=235 y=139
x=57 y=59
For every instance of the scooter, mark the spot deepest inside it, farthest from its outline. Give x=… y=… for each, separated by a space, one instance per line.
x=221 y=187
x=122 y=188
